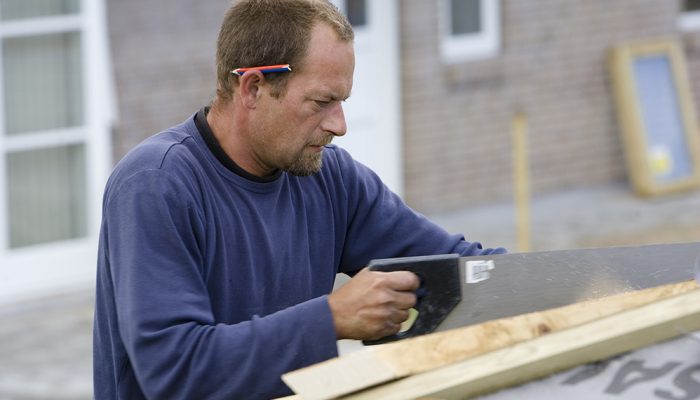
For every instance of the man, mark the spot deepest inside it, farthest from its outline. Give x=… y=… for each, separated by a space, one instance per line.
x=221 y=237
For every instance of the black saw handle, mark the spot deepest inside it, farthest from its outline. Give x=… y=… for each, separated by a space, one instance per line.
x=440 y=290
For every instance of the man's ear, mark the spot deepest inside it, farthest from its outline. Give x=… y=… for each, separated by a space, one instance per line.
x=250 y=87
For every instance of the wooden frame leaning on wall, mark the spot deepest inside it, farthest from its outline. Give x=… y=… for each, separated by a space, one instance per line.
x=656 y=115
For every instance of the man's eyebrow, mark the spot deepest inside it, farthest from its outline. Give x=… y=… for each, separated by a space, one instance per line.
x=330 y=97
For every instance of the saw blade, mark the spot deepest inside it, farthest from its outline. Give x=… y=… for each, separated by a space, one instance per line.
x=505 y=285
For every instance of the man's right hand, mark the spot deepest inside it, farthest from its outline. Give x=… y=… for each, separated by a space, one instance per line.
x=373 y=304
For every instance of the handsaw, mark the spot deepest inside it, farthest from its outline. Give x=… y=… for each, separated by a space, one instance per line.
x=459 y=291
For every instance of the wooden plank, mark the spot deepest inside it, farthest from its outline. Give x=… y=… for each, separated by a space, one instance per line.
x=380 y=364
x=545 y=355
x=521 y=182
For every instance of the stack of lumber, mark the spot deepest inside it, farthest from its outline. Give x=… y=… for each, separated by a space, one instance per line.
x=479 y=359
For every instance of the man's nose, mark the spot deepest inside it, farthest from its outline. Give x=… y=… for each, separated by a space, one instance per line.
x=335 y=120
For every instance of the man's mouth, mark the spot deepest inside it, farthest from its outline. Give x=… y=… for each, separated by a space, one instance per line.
x=321 y=145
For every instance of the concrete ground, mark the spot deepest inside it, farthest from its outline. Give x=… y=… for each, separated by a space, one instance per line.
x=608 y=215
x=45 y=345
x=46 y=348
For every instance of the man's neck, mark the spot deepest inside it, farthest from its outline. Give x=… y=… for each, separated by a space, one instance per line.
x=227 y=128
x=221 y=124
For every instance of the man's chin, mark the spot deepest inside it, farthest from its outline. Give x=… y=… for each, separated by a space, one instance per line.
x=305 y=167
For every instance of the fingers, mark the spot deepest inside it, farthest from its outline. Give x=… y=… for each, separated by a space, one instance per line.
x=373 y=304
x=402 y=280
x=403 y=300
x=399 y=316
x=396 y=280
x=390 y=328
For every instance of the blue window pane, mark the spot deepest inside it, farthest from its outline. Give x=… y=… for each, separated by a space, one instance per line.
x=465 y=16
x=46 y=195
x=21 y=9
x=357 y=12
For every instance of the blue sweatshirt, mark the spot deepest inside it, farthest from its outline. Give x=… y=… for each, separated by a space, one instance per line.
x=211 y=285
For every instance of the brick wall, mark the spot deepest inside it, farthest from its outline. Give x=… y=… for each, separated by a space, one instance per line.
x=163 y=60
x=456 y=118
x=552 y=66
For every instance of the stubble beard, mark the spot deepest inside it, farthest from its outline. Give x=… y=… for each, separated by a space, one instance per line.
x=306 y=164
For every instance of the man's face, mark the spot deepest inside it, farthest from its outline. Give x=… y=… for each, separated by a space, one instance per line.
x=290 y=131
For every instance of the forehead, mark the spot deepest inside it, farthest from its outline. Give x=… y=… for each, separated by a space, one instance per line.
x=328 y=65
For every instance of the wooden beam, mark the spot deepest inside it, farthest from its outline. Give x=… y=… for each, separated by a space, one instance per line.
x=380 y=364
x=546 y=355
x=521 y=180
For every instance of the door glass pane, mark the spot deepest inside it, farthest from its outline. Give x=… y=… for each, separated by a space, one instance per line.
x=691 y=5
x=43 y=82
x=357 y=12
x=465 y=16
x=20 y=9
x=46 y=195
x=669 y=153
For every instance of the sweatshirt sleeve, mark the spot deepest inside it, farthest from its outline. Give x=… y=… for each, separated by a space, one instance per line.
x=175 y=345
x=381 y=225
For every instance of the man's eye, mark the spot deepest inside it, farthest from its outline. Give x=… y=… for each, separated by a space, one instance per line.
x=322 y=103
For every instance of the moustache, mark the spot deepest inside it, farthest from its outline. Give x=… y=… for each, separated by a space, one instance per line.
x=325 y=142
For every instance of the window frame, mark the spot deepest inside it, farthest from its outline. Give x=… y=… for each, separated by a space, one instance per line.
x=49 y=267
x=636 y=138
x=474 y=46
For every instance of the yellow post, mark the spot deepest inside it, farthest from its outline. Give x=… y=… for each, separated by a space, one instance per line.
x=521 y=181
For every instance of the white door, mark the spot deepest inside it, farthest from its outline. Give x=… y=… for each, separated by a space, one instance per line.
x=54 y=152
x=373 y=110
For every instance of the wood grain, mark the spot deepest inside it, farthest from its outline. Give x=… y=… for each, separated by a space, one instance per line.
x=537 y=358
x=380 y=364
